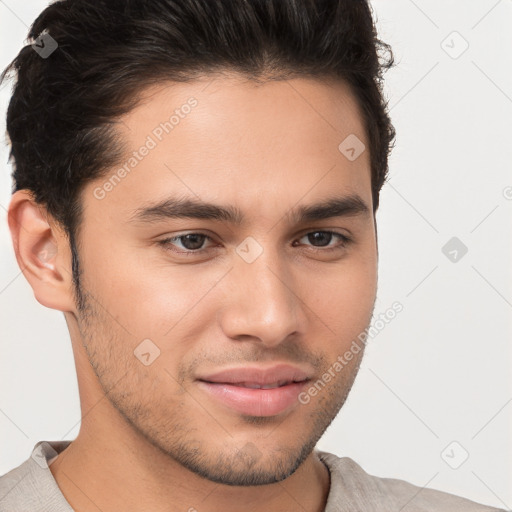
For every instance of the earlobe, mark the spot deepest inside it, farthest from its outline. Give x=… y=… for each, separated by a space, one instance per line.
x=42 y=252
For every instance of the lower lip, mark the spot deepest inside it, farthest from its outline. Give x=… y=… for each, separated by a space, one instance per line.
x=255 y=402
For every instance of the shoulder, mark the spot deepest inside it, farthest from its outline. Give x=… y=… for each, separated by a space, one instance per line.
x=354 y=489
x=31 y=485
x=14 y=486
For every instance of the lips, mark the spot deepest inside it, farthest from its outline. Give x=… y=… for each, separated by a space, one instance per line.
x=256 y=391
x=272 y=375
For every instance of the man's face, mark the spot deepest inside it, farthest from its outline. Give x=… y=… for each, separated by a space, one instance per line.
x=182 y=334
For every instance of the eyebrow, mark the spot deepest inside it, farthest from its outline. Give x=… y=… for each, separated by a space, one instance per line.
x=190 y=208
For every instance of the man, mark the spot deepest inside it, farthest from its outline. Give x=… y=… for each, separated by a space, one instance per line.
x=196 y=185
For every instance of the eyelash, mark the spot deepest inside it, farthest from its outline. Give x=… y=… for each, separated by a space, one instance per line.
x=167 y=242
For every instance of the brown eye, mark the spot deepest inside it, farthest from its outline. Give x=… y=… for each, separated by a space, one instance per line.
x=190 y=243
x=320 y=239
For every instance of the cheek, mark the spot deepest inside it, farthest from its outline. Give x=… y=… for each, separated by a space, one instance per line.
x=153 y=297
x=342 y=300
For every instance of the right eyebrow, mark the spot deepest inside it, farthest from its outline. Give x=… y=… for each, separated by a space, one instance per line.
x=186 y=208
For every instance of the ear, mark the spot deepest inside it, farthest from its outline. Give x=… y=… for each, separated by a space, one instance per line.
x=42 y=252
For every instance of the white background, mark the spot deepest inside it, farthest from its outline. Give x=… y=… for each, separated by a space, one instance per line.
x=439 y=372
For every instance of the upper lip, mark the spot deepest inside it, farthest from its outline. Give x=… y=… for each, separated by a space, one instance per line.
x=277 y=374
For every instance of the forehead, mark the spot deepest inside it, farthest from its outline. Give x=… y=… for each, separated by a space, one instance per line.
x=248 y=143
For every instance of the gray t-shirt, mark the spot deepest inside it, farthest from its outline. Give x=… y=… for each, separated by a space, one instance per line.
x=31 y=488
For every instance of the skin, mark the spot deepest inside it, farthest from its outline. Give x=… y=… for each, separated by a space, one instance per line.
x=150 y=437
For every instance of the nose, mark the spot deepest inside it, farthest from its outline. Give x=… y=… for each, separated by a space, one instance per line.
x=263 y=302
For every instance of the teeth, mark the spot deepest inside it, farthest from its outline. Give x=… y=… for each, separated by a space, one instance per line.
x=253 y=385
x=250 y=385
x=270 y=386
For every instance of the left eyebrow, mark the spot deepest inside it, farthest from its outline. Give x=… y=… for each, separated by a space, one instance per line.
x=347 y=206
x=191 y=208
